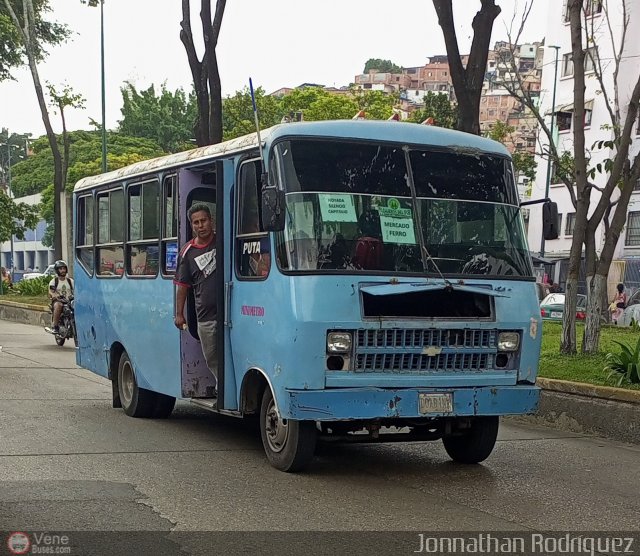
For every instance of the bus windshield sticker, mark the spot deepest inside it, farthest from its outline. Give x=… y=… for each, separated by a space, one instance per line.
x=396 y=223
x=337 y=208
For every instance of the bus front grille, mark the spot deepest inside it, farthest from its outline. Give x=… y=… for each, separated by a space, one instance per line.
x=420 y=338
x=411 y=362
x=425 y=350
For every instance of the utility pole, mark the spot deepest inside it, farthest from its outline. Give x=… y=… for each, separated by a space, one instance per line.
x=104 y=128
x=553 y=119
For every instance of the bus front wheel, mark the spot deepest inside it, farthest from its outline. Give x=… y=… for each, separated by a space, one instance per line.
x=288 y=444
x=476 y=443
x=136 y=401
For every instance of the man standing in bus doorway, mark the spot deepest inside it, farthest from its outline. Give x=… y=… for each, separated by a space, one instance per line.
x=196 y=269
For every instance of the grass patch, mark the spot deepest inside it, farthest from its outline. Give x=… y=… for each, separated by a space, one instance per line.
x=582 y=368
x=42 y=300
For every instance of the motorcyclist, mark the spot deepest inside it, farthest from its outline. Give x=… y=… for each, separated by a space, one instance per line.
x=61 y=286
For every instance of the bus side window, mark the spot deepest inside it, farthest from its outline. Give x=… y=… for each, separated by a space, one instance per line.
x=169 y=226
x=253 y=257
x=109 y=248
x=84 y=233
x=144 y=228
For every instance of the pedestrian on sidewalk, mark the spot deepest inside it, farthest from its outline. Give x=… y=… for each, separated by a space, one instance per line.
x=618 y=304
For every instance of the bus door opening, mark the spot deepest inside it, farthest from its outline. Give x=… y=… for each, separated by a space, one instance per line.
x=195 y=187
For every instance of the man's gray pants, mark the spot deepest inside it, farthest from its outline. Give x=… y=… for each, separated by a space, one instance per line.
x=207 y=331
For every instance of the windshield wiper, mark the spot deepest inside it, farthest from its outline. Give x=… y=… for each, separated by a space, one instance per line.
x=424 y=253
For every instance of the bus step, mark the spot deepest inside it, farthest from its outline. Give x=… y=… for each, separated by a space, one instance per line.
x=206 y=403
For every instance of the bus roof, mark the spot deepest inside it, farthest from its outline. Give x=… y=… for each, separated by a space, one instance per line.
x=378 y=130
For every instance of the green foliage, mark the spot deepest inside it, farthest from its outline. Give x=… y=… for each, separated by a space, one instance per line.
x=331 y=107
x=15 y=218
x=36 y=173
x=564 y=168
x=384 y=66
x=376 y=104
x=168 y=118
x=237 y=112
x=625 y=365
x=439 y=108
x=47 y=33
x=33 y=287
x=524 y=163
x=581 y=367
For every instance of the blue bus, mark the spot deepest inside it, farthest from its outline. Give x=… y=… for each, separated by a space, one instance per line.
x=374 y=284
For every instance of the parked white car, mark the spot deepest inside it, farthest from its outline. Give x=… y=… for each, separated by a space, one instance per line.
x=631 y=312
x=49 y=271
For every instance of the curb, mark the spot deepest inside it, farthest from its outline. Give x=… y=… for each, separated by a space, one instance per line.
x=25 y=313
x=589 y=390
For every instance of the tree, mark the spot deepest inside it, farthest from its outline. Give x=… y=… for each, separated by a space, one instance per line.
x=15 y=218
x=206 y=78
x=376 y=104
x=237 y=112
x=467 y=81
x=524 y=163
x=27 y=21
x=439 y=108
x=621 y=170
x=60 y=100
x=35 y=175
x=167 y=118
x=47 y=33
x=383 y=66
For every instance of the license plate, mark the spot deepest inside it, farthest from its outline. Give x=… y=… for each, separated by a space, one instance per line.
x=435 y=403
x=556 y=314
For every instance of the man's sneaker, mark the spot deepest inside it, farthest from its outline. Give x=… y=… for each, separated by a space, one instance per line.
x=55 y=330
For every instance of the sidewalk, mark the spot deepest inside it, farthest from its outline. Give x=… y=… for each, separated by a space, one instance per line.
x=570 y=406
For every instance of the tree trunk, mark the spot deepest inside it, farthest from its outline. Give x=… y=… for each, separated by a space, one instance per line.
x=597 y=287
x=29 y=46
x=568 y=344
x=583 y=191
x=467 y=82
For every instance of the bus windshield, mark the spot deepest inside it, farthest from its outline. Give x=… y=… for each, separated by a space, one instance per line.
x=349 y=208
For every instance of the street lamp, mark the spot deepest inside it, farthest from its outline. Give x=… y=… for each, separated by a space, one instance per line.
x=553 y=118
x=104 y=128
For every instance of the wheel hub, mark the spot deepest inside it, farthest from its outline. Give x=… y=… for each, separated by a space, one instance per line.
x=277 y=429
x=128 y=382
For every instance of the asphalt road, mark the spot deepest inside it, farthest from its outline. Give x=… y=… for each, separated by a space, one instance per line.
x=68 y=461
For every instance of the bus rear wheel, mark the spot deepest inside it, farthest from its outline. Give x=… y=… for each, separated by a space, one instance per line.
x=136 y=401
x=288 y=444
x=476 y=443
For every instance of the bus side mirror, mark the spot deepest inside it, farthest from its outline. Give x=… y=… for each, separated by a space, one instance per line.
x=550 y=220
x=272 y=209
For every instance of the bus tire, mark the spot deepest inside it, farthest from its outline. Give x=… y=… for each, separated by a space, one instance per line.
x=288 y=444
x=163 y=406
x=475 y=444
x=136 y=402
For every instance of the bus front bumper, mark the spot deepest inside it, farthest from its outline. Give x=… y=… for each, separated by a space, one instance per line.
x=382 y=403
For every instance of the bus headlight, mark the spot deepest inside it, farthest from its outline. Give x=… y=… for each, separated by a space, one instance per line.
x=508 y=341
x=339 y=342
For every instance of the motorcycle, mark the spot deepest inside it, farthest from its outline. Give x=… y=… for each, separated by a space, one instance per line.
x=67 y=323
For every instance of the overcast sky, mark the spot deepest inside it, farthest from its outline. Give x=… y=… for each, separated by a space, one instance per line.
x=279 y=43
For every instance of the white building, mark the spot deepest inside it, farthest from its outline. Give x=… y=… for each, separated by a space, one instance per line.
x=596 y=116
x=28 y=253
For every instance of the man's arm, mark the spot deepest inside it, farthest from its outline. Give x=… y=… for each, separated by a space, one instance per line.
x=181 y=297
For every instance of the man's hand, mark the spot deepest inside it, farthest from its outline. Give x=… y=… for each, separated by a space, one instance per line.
x=180 y=322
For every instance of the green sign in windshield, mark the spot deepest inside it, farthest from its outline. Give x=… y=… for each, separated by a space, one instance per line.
x=396 y=223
